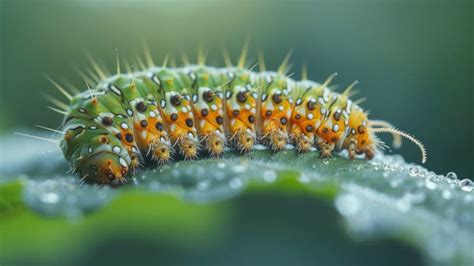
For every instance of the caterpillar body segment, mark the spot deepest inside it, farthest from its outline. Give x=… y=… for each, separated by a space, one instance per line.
x=208 y=107
x=176 y=110
x=275 y=109
x=309 y=109
x=241 y=98
x=162 y=113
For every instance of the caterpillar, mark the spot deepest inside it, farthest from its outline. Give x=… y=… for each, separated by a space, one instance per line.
x=159 y=113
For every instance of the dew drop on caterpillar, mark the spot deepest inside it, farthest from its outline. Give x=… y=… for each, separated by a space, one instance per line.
x=161 y=113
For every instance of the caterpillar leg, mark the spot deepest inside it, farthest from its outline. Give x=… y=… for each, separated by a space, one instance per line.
x=215 y=143
x=303 y=143
x=243 y=140
x=188 y=147
x=276 y=139
x=326 y=148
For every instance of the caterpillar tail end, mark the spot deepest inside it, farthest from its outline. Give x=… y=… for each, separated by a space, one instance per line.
x=105 y=168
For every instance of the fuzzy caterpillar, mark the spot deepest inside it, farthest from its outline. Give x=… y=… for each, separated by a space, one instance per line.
x=160 y=113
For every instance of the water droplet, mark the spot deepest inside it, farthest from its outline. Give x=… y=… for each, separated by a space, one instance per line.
x=221 y=165
x=239 y=168
x=422 y=173
x=452 y=176
x=50 y=198
x=269 y=176
x=429 y=184
x=387 y=167
x=235 y=183
x=314 y=166
x=347 y=204
x=466 y=185
x=394 y=183
x=304 y=179
x=413 y=171
x=403 y=204
x=203 y=185
x=325 y=161
x=446 y=194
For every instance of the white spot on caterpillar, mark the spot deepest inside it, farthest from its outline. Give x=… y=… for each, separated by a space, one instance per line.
x=326 y=95
x=214 y=107
x=310 y=116
x=321 y=101
x=227 y=94
x=192 y=76
x=122 y=162
x=124 y=125
x=335 y=128
x=323 y=111
x=195 y=98
x=202 y=123
x=155 y=79
x=281 y=108
x=264 y=97
x=116 y=149
x=253 y=110
x=152 y=114
x=163 y=103
x=232 y=122
x=298 y=101
x=247 y=106
x=173 y=127
x=114 y=89
x=184 y=109
x=129 y=112
x=90 y=150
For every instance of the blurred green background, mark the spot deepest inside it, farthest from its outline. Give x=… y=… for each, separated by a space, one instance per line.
x=414 y=59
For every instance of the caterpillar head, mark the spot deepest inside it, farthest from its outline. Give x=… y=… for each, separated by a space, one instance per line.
x=104 y=168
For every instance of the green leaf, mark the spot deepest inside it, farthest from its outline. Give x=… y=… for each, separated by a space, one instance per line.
x=287 y=206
